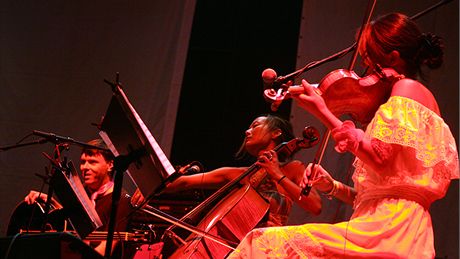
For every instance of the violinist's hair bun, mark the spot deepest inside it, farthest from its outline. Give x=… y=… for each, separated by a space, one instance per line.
x=431 y=50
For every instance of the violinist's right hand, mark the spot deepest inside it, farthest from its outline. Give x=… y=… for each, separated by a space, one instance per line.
x=35 y=196
x=323 y=181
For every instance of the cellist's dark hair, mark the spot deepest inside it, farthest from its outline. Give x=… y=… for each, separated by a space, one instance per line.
x=273 y=122
x=396 y=31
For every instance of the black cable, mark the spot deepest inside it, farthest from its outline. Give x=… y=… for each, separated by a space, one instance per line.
x=13 y=239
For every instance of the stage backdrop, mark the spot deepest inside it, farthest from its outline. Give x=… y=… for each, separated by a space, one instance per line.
x=330 y=26
x=54 y=56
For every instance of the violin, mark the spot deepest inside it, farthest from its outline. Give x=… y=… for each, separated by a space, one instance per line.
x=344 y=92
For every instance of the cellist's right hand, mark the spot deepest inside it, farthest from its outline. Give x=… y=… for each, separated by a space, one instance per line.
x=323 y=181
x=137 y=198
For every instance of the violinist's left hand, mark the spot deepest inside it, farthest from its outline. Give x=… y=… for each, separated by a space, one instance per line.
x=269 y=161
x=308 y=97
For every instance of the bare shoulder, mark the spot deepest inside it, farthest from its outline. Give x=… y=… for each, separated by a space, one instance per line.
x=416 y=91
x=408 y=88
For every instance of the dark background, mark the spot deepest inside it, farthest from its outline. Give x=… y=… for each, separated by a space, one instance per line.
x=222 y=89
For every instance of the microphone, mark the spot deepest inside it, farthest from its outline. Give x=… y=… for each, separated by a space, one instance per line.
x=269 y=77
x=272 y=80
x=56 y=139
x=192 y=168
x=52 y=137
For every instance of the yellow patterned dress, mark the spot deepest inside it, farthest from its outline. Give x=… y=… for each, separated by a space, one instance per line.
x=391 y=217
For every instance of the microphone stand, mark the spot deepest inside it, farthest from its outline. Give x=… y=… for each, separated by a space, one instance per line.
x=342 y=53
x=54 y=163
x=59 y=147
x=120 y=165
x=313 y=64
x=38 y=141
x=51 y=137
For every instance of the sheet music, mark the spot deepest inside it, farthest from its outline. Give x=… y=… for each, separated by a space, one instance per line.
x=114 y=151
x=80 y=191
x=77 y=206
x=126 y=135
x=159 y=152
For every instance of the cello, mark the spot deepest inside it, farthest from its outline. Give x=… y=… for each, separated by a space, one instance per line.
x=234 y=210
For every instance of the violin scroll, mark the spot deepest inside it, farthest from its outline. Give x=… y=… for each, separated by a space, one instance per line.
x=276 y=97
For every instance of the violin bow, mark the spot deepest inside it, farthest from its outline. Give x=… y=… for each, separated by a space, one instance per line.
x=322 y=148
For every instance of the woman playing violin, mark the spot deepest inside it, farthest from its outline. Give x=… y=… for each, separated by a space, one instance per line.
x=405 y=160
x=277 y=181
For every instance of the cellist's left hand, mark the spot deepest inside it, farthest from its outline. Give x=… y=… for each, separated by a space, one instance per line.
x=269 y=161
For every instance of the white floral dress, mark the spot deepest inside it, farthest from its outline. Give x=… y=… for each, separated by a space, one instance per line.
x=391 y=217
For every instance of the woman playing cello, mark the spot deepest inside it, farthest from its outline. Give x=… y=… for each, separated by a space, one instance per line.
x=277 y=181
x=406 y=159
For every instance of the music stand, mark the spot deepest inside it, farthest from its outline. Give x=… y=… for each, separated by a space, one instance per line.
x=77 y=205
x=125 y=133
x=136 y=151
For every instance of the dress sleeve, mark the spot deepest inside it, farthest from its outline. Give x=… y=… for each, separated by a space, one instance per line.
x=426 y=159
x=408 y=123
